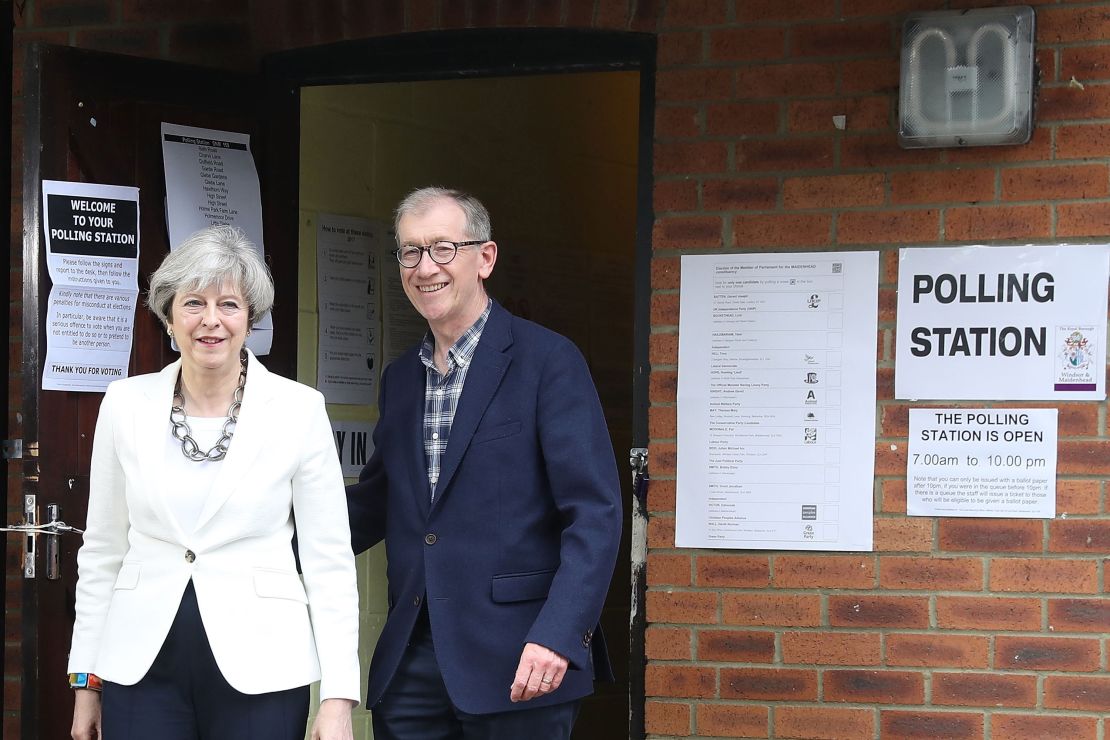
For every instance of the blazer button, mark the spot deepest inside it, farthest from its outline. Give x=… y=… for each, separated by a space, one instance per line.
x=586 y=639
x=429 y=539
x=190 y=556
x=416 y=601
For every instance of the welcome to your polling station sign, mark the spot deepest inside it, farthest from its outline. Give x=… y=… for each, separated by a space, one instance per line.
x=1014 y=323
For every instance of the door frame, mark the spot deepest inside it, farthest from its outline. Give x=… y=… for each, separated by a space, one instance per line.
x=475 y=53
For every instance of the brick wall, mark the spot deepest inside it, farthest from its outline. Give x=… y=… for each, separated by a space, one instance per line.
x=952 y=627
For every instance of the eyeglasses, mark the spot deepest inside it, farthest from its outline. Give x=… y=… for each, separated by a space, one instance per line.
x=441 y=252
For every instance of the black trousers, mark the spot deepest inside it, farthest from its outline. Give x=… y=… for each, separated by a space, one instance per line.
x=185 y=697
x=416 y=705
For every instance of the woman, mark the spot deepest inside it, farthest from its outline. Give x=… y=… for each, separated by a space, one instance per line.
x=190 y=612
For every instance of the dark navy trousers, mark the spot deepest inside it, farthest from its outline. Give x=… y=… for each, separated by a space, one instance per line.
x=416 y=705
x=185 y=697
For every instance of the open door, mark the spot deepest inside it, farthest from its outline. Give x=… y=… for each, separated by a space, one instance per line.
x=95 y=117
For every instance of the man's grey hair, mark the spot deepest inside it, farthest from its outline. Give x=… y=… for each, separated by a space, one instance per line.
x=420 y=200
x=217 y=255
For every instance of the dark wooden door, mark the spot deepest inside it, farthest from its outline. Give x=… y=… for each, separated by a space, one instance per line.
x=96 y=117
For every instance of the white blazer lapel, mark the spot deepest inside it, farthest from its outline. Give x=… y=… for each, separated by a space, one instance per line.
x=152 y=436
x=255 y=417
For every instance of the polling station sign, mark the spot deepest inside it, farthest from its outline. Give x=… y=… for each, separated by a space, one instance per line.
x=1002 y=323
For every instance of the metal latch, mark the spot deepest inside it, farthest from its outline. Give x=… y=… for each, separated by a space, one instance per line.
x=31 y=529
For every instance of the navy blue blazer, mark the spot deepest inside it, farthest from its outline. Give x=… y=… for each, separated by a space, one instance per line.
x=520 y=542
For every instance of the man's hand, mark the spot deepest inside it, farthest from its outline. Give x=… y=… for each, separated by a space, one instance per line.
x=539 y=673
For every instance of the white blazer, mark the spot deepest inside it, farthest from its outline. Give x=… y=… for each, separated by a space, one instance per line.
x=268 y=631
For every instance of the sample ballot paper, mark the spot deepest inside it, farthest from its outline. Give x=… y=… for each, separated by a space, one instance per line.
x=776 y=401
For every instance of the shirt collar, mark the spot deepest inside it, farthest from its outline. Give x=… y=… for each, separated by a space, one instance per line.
x=462 y=351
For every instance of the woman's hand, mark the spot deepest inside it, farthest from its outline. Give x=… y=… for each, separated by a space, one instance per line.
x=86 y=715
x=333 y=721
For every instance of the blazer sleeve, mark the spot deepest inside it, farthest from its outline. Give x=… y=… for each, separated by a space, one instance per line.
x=578 y=459
x=105 y=539
x=366 y=500
x=327 y=562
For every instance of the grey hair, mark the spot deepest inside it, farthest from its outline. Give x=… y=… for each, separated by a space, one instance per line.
x=217 y=255
x=478 y=224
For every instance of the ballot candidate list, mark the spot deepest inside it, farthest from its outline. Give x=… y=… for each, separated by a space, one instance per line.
x=776 y=393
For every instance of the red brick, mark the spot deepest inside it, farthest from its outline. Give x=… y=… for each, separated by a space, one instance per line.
x=484 y=13
x=747 y=44
x=874 y=687
x=870 y=76
x=984 y=690
x=1082 y=141
x=684 y=681
x=832 y=648
x=930 y=725
x=694 y=83
x=996 y=222
x=421 y=15
x=1055 y=183
x=894 y=496
x=664 y=309
x=736 y=646
x=675 y=195
x=729 y=720
x=1079 y=615
x=668 y=570
x=834 y=191
x=931 y=574
x=684 y=158
x=901 y=534
x=1046 y=653
x=1079 y=535
x=1082 y=693
x=668 y=643
x=1038 y=148
x=660 y=528
x=1073 y=104
x=687 y=232
x=661 y=497
x=942 y=186
x=676 y=121
x=692 y=13
x=1074 y=419
x=989 y=613
x=867 y=610
x=733 y=571
x=682 y=607
x=770 y=609
x=1085 y=63
x=888 y=227
x=936 y=650
x=1066 y=25
x=822 y=723
x=881 y=151
x=860 y=114
x=824 y=571
x=784 y=154
x=663 y=422
x=1083 y=458
x=612 y=14
x=785 y=80
x=663 y=349
x=1077 y=497
x=852 y=8
x=667 y=718
x=663 y=386
x=740 y=194
x=645 y=16
x=1042 y=727
x=213 y=44
x=144 y=11
x=680 y=47
x=742 y=119
x=855 y=38
x=132 y=41
x=1044 y=576
x=768 y=684
x=990 y=535
x=775 y=10
x=1082 y=219
x=782 y=230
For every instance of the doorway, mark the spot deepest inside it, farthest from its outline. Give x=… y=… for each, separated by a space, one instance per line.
x=555 y=159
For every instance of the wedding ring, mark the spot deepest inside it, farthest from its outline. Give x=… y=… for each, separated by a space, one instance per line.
x=545 y=680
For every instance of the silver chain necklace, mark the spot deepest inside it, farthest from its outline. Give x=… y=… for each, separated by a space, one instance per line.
x=181 y=431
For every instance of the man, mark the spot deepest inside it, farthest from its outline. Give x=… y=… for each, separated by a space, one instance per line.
x=494 y=486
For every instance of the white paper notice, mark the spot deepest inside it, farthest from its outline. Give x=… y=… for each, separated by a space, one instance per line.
x=776 y=401
x=350 y=323
x=211 y=180
x=982 y=462
x=354 y=443
x=92 y=255
x=402 y=326
x=997 y=323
